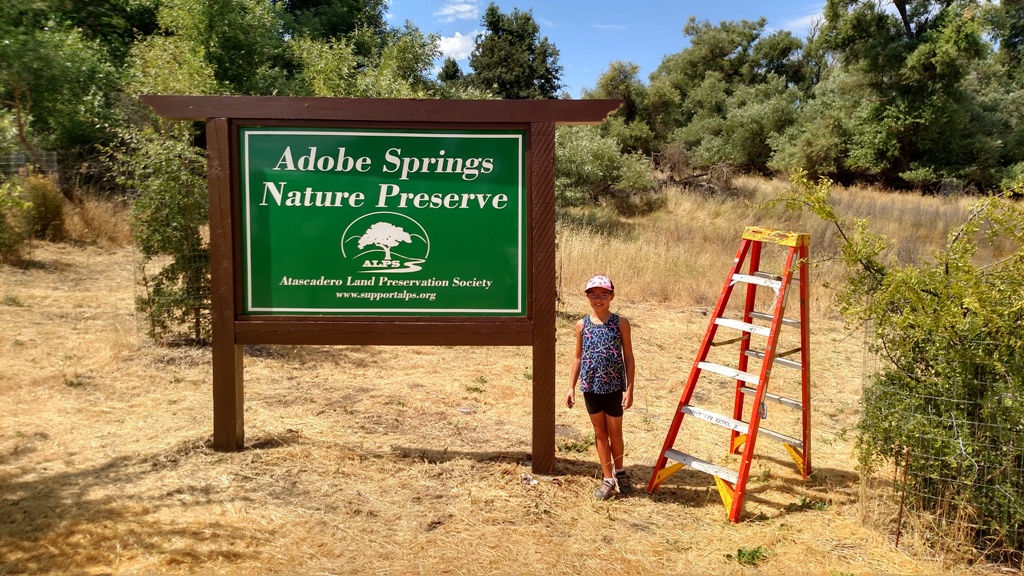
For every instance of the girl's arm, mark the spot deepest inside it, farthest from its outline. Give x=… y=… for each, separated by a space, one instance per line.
x=570 y=398
x=627 y=359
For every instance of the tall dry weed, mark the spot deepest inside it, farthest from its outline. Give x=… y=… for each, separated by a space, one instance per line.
x=680 y=254
x=100 y=221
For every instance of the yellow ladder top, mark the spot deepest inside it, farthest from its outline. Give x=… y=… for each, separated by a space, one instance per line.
x=759 y=234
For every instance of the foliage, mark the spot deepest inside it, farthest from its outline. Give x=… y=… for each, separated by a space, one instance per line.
x=12 y=231
x=56 y=81
x=724 y=98
x=628 y=125
x=909 y=72
x=512 y=60
x=580 y=446
x=450 y=71
x=240 y=40
x=590 y=169
x=327 y=68
x=749 y=556
x=735 y=129
x=169 y=217
x=332 y=19
x=950 y=394
x=44 y=216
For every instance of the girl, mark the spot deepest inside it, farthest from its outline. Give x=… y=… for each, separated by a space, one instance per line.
x=604 y=368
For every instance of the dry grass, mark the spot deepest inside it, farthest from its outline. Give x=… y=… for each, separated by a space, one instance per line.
x=680 y=255
x=100 y=221
x=414 y=460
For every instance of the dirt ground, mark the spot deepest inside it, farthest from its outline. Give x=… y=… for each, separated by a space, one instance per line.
x=392 y=460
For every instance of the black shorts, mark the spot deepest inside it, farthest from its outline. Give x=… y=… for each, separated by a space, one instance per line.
x=610 y=404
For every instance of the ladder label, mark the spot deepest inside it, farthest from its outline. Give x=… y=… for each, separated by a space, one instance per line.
x=716 y=419
x=739 y=425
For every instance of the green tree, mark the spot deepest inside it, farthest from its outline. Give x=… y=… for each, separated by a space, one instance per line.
x=736 y=128
x=450 y=72
x=780 y=54
x=628 y=125
x=241 y=40
x=512 y=60
x=112 y=24
x=1008 y=29
x=725 y=96
x=160 y=162
x=332 y=19
x=56 y=82
x=909 y=69
x=725 y=49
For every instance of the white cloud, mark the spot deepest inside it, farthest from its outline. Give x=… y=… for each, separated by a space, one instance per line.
x=811 y=15
x=609 y=26
x=458 y=11
x=458 y=46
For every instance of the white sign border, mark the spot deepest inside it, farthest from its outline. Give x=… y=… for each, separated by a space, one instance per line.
x=454 y=133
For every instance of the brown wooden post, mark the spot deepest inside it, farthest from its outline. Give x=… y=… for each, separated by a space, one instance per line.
x=542 y=138
x=228 y=389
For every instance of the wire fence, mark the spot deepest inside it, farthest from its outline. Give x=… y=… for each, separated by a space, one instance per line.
x=16 y=162
x=172 y=298
x=957 y=456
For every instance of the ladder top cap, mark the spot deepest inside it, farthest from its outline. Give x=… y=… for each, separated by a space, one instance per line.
x=759 y=234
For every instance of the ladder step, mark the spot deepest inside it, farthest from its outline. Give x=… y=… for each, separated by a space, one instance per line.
x=698 y=464
x=787 y=402
x=769 y=318
x=716 y=419
x=729 y=372
x=761 y=279
x=738 y=425
x=743 y=326
x=780 y=361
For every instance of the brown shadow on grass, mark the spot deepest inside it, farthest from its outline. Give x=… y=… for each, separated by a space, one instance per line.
x=78 y=522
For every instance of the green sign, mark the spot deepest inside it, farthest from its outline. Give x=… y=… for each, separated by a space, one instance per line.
x=383 y=222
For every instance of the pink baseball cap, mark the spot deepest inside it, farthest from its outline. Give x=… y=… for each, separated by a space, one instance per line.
x=600 y=282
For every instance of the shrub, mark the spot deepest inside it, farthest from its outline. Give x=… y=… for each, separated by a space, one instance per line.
x=169 y=217
x=44 y=218
x=12 y=217
x=590 y=169
x=948 y=400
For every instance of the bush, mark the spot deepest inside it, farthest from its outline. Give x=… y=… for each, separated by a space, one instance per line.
x=590 y=169
x=44 y=218
x=169 y=217
x=948 y=400
x=12 y=218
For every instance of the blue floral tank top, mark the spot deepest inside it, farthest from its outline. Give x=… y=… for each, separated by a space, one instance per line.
x=602 y=370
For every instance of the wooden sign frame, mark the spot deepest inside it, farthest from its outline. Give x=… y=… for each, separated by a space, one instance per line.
x=231 y=330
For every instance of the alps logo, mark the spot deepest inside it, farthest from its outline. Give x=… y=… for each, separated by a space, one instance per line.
x=386 y=242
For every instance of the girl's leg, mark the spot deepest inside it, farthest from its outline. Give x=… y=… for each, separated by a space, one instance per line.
x=602 y=441
x=613 y=424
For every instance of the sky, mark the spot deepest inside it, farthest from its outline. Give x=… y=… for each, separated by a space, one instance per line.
x=591 y=34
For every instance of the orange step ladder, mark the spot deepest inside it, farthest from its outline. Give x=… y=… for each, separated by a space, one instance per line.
x=732 y=484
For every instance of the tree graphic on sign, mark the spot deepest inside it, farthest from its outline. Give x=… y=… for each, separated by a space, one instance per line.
x=385 y=236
